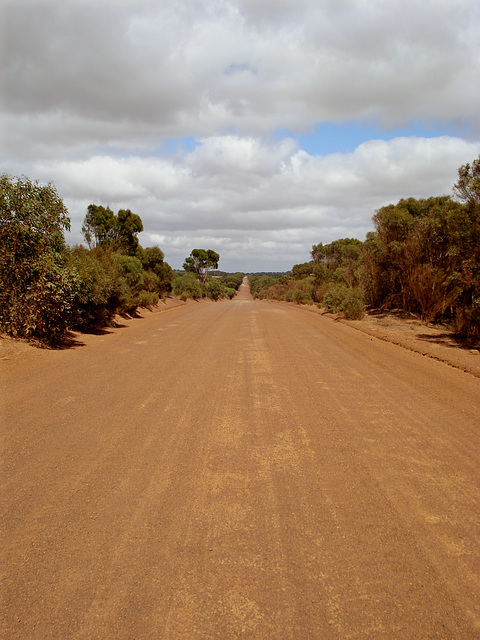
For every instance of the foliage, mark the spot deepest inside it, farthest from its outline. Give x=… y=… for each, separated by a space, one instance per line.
x=112 y=282
x=37 y=287
x=340 y=298
x=153 y=262
x=215 y=290
x=200 y=261
x=233 y=280
x=98 y=226
x=93 y=301
x=259 y=284
x=467 y=187
x=301 y=271
x=187 y=286
x=102 y=227
x=424 y=258
x=47 y=288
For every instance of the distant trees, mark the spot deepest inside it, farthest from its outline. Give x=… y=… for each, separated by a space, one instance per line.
x=201 y=261
x=422 y=257
x=196 y=283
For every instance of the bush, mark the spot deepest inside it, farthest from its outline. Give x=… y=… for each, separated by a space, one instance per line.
x=354 y=305
x=298 y=296
x=233 y=281
x=147 y=298
x=260 y=283
x=215 y=289
x=37 y=287
x=93 y=301
x=46 y=308
x=339 y=298
x=187 y=286
x=467 y=323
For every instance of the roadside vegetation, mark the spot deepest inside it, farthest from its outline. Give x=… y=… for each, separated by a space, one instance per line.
x=422 y=258
x=47 y=288
x=190 y=285
x=195 y=282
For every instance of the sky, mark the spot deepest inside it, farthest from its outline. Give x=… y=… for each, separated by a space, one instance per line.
x=256 y=128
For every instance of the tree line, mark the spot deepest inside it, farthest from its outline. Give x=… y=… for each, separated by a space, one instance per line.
x=47 y=288
x=422 y=258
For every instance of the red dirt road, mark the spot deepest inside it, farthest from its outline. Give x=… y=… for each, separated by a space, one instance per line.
x=239 y=470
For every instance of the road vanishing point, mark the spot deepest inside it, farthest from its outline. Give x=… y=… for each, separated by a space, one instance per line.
x=241 y=469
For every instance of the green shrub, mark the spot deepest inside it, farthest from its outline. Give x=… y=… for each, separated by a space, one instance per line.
x=339 y=298
x=187 y=286
x=93 y=300
x=233 y=281
x=147 y=298
x=215 y=289
x=259 y=284
x=298 y=296
x=37 y=286
x=152 y=259
x=45 y=309
x=354 y=305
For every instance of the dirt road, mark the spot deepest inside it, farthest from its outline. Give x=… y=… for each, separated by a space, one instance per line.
x=239 y=470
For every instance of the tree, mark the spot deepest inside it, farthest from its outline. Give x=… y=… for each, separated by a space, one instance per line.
x=318 y=253
x=153 y=261
x=37 y=288
x=102 y=227
x=467 y=187
x=200 y=261
x=99 y=225
x=128 y=226
x=424 y=258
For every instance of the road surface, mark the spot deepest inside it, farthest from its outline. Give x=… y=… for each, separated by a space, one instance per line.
x=239 y=470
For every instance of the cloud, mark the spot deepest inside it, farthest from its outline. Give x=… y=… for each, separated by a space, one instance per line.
x=256 y=202
x=197 y=68
x=173 y=109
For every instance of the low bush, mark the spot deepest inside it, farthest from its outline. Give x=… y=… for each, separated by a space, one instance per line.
x=339 y=298
x=187 y=286
x=215 y=290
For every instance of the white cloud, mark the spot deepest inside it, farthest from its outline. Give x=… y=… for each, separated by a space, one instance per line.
x=94 y=91
x=278 y=202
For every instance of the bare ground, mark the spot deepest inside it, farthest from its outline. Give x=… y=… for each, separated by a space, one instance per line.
x=433 y=341
x=239 y=470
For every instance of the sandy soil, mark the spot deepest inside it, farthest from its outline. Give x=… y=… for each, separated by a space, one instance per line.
x=432 y=341
x=238 y=470
x=410 y=333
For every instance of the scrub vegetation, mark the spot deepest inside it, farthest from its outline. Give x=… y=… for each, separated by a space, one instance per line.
x=47 y=288
x=195 y=282
x=422 y=258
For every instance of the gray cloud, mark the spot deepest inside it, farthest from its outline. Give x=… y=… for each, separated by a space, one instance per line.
x=253 y=201
x=94 y=91
x=169 y=66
